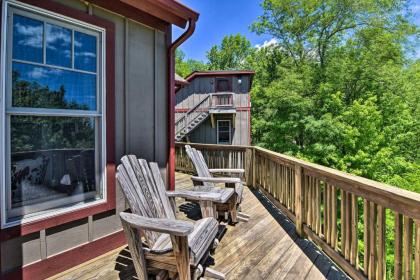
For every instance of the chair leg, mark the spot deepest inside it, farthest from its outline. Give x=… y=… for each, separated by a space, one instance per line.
x=198 y=271
x=232 y=209
x=215 y=243
x=162 y=275
x=182 y=257
x=208 y=209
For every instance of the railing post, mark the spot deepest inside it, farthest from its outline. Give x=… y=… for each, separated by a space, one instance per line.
x=248 y=165
x=299 y=202
x=254 y=168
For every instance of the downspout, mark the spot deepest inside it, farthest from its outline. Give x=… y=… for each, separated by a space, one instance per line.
x=171 y=118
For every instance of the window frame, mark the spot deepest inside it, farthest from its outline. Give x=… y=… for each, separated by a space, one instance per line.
x=230 y=132
x=59 y=14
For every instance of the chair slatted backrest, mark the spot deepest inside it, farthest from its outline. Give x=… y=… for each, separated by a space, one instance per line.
x=199 y=164
x=145 y=191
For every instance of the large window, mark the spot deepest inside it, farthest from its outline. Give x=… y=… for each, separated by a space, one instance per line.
x=223 y=132
x=53 y=115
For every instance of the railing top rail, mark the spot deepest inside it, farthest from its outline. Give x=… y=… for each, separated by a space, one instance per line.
x=213 y=146
x=222 y=93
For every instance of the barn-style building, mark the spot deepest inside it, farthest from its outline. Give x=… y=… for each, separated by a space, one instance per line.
x=214 y=107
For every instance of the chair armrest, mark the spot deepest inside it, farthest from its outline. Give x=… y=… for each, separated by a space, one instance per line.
x=216 y=179
x=170 y=226
x=195 y=195
x=228 y=170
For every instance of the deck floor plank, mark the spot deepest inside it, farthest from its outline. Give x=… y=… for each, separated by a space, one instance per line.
x=266 y=247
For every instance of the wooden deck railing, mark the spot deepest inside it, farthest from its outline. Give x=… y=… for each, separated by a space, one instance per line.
x=345 y=215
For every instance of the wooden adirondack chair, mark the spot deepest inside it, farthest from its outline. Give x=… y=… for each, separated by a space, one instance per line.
x=206 y=182
x=169 y=245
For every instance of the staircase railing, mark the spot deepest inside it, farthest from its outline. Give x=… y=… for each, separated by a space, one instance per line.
x=201 y=107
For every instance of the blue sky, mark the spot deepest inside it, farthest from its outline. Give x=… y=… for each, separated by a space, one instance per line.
x=217 y=19
x=223 y=17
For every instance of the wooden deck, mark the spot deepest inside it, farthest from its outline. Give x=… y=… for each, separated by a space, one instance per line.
x=264 y=248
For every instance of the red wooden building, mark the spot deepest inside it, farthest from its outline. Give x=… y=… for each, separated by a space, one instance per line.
x=214 y=107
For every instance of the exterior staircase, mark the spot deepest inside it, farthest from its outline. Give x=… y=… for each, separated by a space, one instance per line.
x=192 y=119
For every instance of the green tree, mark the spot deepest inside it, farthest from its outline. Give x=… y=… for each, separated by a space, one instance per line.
x=309 y=29
x=341 y=89
x=184 y=67
x=230 y=54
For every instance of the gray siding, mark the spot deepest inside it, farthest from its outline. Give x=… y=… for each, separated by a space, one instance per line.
x=141 y=129
x=205 y=133
x=198 y=89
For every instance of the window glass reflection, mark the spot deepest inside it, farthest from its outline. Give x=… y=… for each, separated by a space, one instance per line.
x=27 y=39
x=58 y=45
x=47 y=87
x=224 y=132
x=52 y=158
x=84 y=52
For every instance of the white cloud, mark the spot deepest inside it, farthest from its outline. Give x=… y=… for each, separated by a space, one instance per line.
x=78 y=44
x=32 y=35
x=268 y=43
x=86 y=54
x=41 y=72
x=57 y=35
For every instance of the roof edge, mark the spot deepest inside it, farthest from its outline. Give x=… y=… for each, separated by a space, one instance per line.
x=170 y=11
x=219 y=73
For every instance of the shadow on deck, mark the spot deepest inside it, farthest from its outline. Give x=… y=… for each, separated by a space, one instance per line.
x=266 y=247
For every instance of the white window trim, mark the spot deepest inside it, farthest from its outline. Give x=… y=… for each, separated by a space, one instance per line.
x=230 y=131
x=101 y=72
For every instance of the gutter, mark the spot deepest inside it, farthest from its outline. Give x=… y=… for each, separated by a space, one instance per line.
x=171 y=100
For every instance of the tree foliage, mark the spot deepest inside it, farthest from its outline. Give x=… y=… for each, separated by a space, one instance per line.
x=230 y=54
x=184 y=67
x=338 y=88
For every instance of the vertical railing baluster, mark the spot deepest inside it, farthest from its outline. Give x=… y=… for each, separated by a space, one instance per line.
x=343 y=222
x=354 y=231
x=366 y=236
x=372 y=241
x=381 y=244
x=334 y=217
x=408 y=243
x=417 y=251
x=299 y=200
x=398 y=235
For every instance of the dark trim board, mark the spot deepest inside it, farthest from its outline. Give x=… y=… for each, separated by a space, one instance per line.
x=38 y=225
x=64 y=261
x=218 y=73
x=131 y=13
